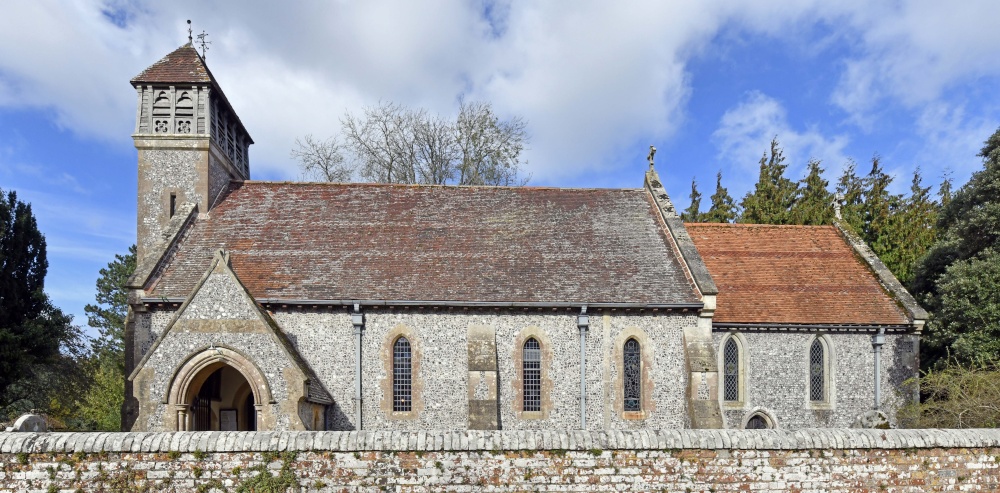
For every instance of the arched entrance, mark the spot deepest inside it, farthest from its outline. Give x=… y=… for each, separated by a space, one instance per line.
x=223 y=403
x=218 y=389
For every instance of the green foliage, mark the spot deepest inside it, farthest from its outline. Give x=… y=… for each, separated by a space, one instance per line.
x=265 y=482
x=723 y=209
x=31 y=329
x=956 y=395
x=774 y=194
x=958 y=280
x=108 y=315
x=692 y=214
x=101 y=403
x=814 y=204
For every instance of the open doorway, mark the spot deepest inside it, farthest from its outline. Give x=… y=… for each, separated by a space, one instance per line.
x=222 y=401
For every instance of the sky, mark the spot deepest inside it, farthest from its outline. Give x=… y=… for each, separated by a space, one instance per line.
x=709 y=83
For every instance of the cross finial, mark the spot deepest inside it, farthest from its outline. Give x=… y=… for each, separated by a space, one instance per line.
x=204 y=44
x=190 y=39
x=652 y=152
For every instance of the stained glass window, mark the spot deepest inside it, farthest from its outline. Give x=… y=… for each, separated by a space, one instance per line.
x=532 y=377
x=731 y=371
x=402 y=376
x=817 y=370
x=632 y=378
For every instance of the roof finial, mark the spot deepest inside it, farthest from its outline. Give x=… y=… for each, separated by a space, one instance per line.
x=652 y=152
x=204 y=44
x=190 y=39
x=837 y=199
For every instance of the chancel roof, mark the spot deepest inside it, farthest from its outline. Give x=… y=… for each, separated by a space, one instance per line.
x=322 y=241
x=791 y=275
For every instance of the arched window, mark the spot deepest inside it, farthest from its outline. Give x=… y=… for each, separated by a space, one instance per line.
x=817 y=371
x=532 y=375
x=731 y=370
x=758 y=422
x=402 y=376
x=632 y=376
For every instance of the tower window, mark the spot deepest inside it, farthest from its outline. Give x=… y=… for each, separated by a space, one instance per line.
x=532 y=375
x=173 y=204
x=402 y=376
x=632 y=377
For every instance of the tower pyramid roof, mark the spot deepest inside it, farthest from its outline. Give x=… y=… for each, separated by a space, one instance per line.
x=183 y=65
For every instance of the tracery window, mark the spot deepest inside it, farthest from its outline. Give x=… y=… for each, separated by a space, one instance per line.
x=817 y=371
x=632 y=376
x=731 y=370
x=532 y=375
x=402 y=376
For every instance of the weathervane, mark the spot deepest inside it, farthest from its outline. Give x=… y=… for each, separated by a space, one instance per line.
x=652 y=152
x=204 y=44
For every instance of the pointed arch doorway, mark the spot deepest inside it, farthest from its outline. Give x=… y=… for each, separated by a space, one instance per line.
x=218 y=389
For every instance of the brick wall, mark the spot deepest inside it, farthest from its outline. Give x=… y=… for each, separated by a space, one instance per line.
x=668 y=460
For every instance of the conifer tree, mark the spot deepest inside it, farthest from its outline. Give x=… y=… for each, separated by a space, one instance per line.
x=774 y=194
x=851 y=191
x=814 y=204
x=958 y=280
x=916 y=222
x=723 y=209
x=692 y=214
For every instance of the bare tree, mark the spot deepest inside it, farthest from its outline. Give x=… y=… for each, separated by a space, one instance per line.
x=490 y=148
x=390 y=143
x=322 y=159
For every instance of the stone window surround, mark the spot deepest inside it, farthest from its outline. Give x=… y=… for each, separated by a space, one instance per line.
x=647 y=352
x=416 y=382
x=517 y=385
x=829 y=382
x=741 y=348
x=765 y=413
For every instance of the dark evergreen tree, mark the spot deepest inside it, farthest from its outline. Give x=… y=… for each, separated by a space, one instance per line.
x=693 y=214
x=723 y=209
x=850 y=194
x=814 y=204
x=31 y=329
x=881 y=217
x=33 y=371
x=916 y=224
x=774 y=194
x=958 y=280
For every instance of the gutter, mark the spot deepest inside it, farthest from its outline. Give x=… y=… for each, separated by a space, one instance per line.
x=456 y=304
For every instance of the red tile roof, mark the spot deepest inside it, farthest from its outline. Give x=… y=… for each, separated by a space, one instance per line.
x=324 y=241
x=180 y=66
x=790 y=274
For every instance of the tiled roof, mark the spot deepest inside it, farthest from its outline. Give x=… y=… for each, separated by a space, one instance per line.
x=790 y=274
x=180 y=66
x=322 y=241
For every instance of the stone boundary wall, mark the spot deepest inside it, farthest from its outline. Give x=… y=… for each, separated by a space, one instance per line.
x=646 y=460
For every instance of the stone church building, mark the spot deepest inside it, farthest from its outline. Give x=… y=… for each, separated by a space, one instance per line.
x=347 y=306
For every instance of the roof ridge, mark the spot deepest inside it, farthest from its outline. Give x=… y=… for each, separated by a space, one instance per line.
x=425 y=185
x=757 y=225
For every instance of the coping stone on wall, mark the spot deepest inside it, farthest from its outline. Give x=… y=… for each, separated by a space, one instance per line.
x=242 y=441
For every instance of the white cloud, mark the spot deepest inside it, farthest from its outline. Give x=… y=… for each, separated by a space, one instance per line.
x=745 y=133
x=590 y=77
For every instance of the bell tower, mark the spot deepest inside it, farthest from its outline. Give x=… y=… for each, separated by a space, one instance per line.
x=191 y=144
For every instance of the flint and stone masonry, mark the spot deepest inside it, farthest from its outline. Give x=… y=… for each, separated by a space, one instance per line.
x=814 y=460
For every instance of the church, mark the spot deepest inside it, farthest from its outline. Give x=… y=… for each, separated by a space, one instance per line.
x=259 y=305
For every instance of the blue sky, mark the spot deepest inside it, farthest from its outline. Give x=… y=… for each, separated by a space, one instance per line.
x=708 y=83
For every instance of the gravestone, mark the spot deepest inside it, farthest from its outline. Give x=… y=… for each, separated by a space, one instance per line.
x=30 y=422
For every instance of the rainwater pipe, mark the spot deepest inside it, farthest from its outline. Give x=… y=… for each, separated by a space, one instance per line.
x=583 y=323
x=878 y=339
x=358 y=320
